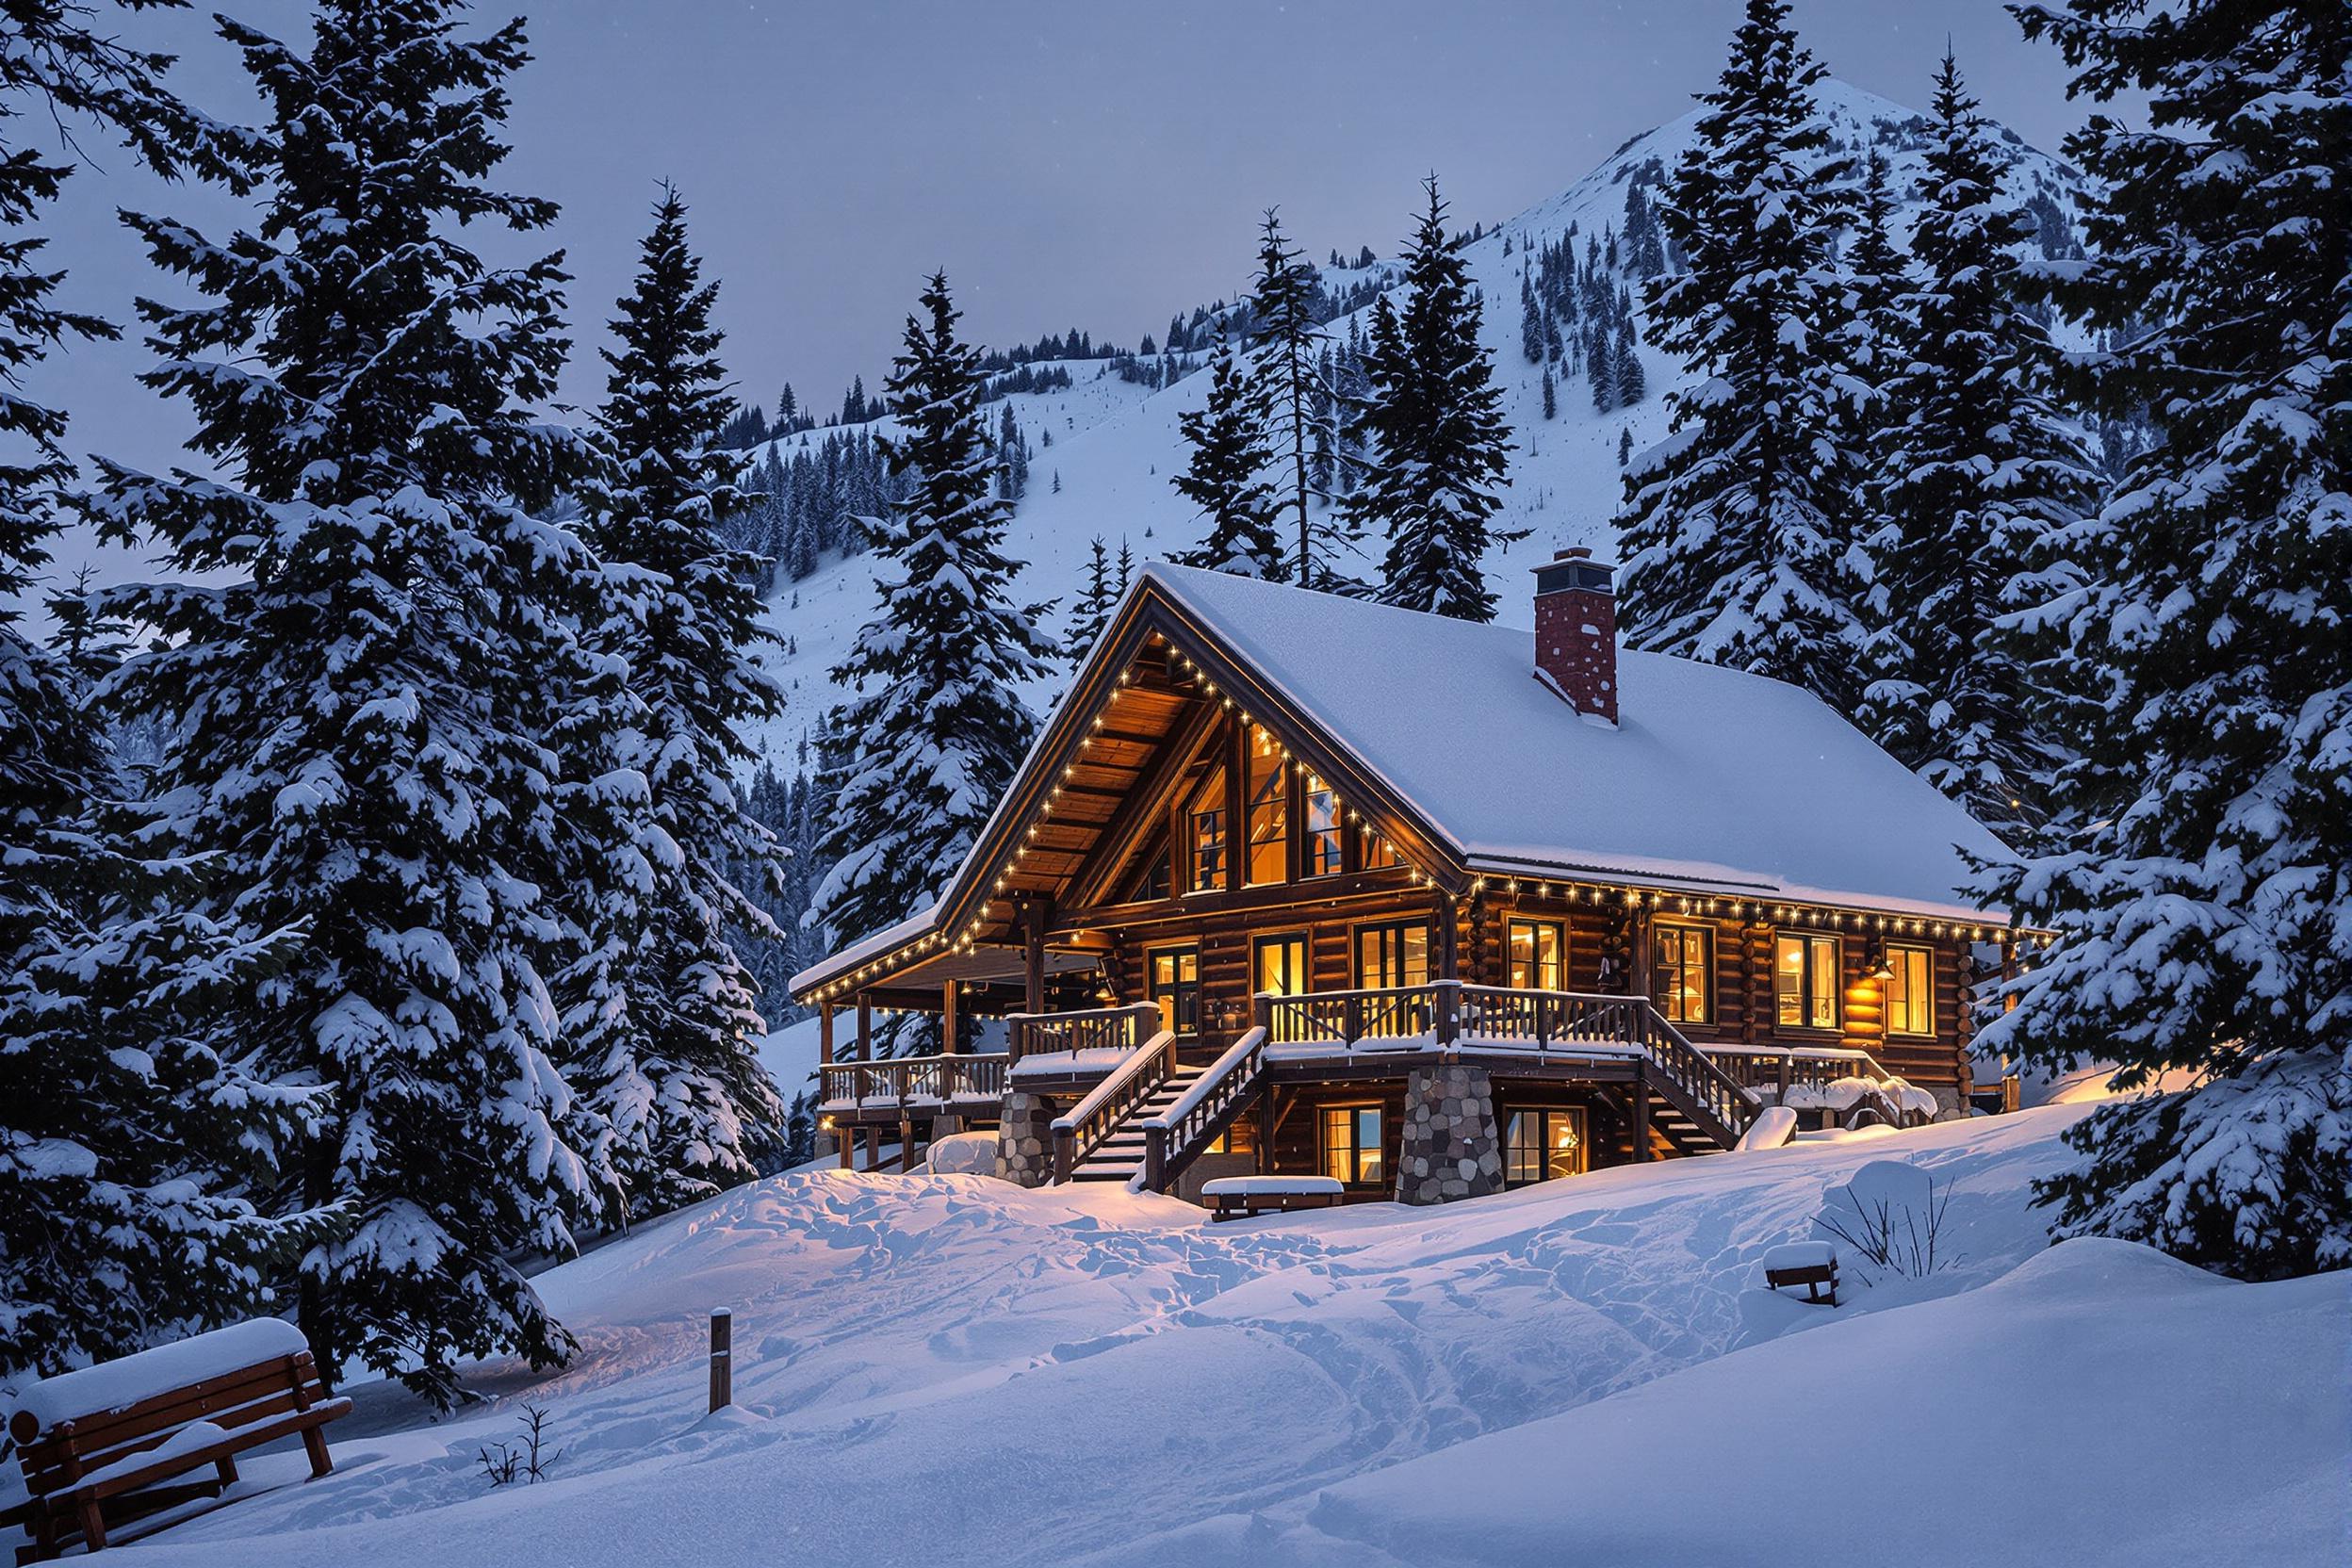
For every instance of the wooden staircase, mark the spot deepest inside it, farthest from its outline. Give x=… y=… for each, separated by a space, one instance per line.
x=1119 y=1157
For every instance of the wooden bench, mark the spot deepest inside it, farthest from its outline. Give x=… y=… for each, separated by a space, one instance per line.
x=1810 y=1263
x=1240 y=1197
x=105 y=1439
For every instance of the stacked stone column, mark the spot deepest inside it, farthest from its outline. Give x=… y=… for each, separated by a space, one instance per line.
x=1024 y=1139
x=1451 y=1147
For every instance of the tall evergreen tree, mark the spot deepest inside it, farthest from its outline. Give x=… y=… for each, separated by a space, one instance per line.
x=357 y=683
x=1978 y=471
x=129 y=1142
x=674 y=1073
x=1225 y=479
x=1096 y=601
x=936 y=725
x=1738 y=526
x=1434 y=423
x=1283 y=335
x=2203 y=865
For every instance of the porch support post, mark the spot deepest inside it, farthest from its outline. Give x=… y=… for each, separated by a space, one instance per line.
x=1449 y=950
x=1033 y=960
x=865 y=1027
x=906 y=1141
x=845 y=1141
x=1640 y=1111
x=824 y=1058
x=948 y=1019
x=1266 y=1130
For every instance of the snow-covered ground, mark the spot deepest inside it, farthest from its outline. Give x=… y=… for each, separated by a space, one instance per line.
x=948 y=1370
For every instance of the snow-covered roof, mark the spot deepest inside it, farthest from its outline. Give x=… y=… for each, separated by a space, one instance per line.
x=1711 y=779
x=888 y=939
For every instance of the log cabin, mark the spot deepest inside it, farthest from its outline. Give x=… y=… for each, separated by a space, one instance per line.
x=1293 y=885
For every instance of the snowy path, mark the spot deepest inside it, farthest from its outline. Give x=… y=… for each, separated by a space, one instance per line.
x=946 y=1367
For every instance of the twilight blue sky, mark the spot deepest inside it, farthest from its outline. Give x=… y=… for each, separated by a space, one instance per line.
x=1089 y=163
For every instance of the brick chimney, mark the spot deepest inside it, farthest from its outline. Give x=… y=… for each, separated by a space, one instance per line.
x=1576 y=630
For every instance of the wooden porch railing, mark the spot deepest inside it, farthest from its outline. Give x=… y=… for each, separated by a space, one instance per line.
x=1348 y=1017
x=1776 y=1070
x=1175 y=1138
x=1080 y=1131
x=904 y=1080
x=1095 y=1029
x=1447 y=1013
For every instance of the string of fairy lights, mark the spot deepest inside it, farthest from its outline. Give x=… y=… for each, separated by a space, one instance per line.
x=1572 y=891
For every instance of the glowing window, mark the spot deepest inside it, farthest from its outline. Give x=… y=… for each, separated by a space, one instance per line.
x=1538 y=952
x=1804 y=982
x=1207 y=830
x=1543 y=1145
x=1323 y=844
x=1269 y=810
x=1282 y=965
x=1682 y=972
x=1910 y=991
x=1351 y=1145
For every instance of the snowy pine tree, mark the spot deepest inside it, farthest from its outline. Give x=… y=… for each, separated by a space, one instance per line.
x=1737 y=526
x=1434 y=426
x=1978 y=471
x=365 y=649
x=936 y=725
x=1096 y=601
x=670 y=1045
x=1283 y=364
x=2202 y=865
x=1224 y=477
x=128 y=1142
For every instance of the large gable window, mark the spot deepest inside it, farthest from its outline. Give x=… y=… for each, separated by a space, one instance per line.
x=1269 y=810
x=1320 y=854
x=1804 y=982
x=1206 y=833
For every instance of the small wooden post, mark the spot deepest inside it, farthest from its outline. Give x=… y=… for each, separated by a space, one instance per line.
x=722 y=1358
x=845 y=1141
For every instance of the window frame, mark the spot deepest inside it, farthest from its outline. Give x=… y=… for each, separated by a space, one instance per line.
x=1398 y=930
x=1302 y=938
x=1810 y=942
x=1257 y=802
x=1543 y=1144
x=1314 y=842
x=1559 y=929
x=1326 y=1147
x=1151 y=991
x=1208 y=801
x=1683 y=931
x=1927 y=991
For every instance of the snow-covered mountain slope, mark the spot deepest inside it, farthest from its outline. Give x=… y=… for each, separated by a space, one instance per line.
x=1116 y=444
x=947 y=1369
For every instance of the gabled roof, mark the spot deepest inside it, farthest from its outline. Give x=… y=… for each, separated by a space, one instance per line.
x=1713 y=782
x=1711 y=778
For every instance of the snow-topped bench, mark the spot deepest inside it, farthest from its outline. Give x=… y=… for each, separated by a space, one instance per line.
x=111 y=1434
x=1810 y=1263
x=1236 y=1196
